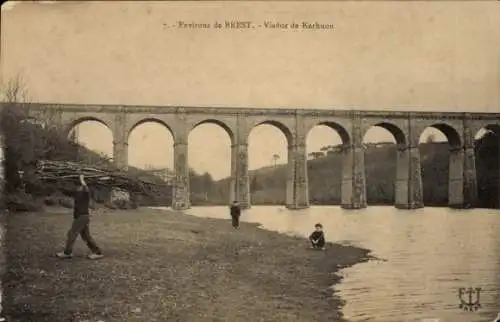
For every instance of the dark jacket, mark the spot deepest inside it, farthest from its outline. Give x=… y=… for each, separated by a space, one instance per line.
x=235 y=211
x=317 y=235
x=82 y=202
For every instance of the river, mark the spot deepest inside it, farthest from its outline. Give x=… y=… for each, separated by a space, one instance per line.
x=428 y=255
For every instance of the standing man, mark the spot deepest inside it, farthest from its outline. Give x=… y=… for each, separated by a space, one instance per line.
x=235 y=211
x=80 y=226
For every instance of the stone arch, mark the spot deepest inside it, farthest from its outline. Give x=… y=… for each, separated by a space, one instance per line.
x=435 y=174
x=317 y=194
x=495 y=128
x=153 y=120
x=476 y=131
x=398 y=134
x=281 y=184
x=487 y=162
x=220 y=123
x=75 y=122
x=281 y=126
x=452 y=135
x=337 y=127
x=218 y=163
x=386 y=167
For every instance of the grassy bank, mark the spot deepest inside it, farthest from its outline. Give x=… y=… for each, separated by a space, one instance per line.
x=167 y=266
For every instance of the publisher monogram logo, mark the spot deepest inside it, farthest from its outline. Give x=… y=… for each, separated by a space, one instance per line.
x=469 y=298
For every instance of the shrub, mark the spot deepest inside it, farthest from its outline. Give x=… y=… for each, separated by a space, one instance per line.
x=50 y=201
x=66 y=202
x=110 y=205
x=23 y=202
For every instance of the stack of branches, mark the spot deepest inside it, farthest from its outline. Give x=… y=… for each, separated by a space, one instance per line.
x=67 y=173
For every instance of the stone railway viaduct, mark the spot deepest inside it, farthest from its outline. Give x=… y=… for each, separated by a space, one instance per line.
x=351 y=125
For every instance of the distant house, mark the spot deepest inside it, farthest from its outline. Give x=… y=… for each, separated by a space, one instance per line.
x=376 y=144
x=164 y=173
x=315 y=155
x=335 y=149
x=330 y=149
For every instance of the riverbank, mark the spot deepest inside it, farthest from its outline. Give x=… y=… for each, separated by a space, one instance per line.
x=168 y=266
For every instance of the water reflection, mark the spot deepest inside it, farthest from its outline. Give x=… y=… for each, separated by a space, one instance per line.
x=430 y=253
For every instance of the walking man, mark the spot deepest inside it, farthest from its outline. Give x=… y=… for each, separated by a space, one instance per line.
x=80 y=226
x=235 y=212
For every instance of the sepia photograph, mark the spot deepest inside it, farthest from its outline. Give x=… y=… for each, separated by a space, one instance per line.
x=250 y=161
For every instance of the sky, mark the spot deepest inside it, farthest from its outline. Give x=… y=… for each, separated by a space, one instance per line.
x=435 y=56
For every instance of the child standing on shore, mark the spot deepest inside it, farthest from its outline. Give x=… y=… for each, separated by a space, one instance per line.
x=317 y=237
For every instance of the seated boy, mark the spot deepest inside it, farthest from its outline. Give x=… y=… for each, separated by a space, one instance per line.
x=317 y=237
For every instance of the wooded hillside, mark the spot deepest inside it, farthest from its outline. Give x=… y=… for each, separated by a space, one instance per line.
x=268 y=184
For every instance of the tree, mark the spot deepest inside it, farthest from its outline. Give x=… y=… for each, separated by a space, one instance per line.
x=207 y=181
x=28 y=136
x=431 y=138
x=276 y=157
x=316 y=155
x=254 y=185
x=15 y=90
x=12 y=115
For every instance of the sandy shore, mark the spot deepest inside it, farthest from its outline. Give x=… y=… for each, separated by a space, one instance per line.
x=167 y=266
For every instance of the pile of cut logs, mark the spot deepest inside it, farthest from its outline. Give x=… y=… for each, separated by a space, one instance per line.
x=64 y=171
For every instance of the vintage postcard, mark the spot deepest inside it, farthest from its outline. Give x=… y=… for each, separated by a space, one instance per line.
x=250 y=161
